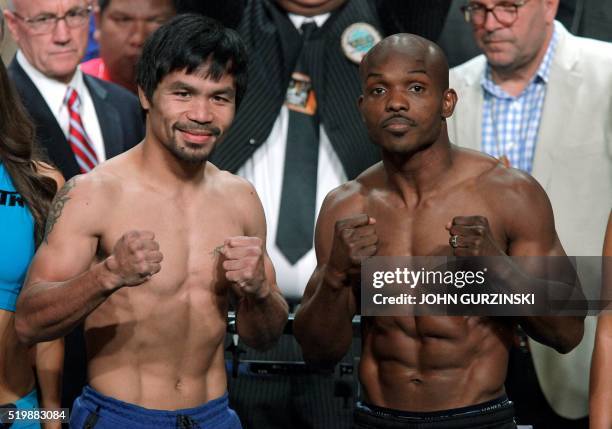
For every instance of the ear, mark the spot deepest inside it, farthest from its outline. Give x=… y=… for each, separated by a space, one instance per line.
x=551 y=7
x=449 y=101
x=144 y=101
x=359 y=106
x=97 y=21
x=11 y=23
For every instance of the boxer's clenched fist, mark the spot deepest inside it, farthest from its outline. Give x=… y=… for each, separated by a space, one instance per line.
x=354 y=238
x=471 y=236
x=135 y=258
x=244 y=264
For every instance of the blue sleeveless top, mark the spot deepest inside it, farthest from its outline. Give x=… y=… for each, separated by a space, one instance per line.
x=16 y=243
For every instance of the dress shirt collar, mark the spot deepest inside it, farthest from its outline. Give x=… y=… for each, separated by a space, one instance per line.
x=53 y=91
x=298 y=20
x=541 y=75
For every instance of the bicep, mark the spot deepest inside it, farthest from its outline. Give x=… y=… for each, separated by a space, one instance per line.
x=70 y=243
x=533 y=239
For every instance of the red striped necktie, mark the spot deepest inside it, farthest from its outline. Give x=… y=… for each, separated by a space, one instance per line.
x=77 y=137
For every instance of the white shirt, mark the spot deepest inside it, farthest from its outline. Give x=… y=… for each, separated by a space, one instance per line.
x=265 y=170
x=53 y=92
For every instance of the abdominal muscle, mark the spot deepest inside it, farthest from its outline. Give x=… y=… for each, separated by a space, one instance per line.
x=433 y=363
x=158 y=350
x=17 y=375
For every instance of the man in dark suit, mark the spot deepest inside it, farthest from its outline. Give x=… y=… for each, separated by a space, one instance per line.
x=80 y=120
x=297 y=135
x=52 y=37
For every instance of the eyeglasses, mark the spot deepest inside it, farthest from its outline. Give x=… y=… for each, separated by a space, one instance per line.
x=505 y=13
x=46 y=22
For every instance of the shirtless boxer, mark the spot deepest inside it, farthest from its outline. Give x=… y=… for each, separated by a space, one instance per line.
x=155 y=328
x=437 y=372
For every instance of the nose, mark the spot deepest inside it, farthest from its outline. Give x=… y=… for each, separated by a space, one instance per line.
x=139 y=33
x=61 y=32
x=200 y=112
x=397 y=101
x=491 y=23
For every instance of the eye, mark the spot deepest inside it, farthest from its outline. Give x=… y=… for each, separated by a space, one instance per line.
x=181 y=93
x=378 y=91
x=416 y=88
x=75 y=12
x=221 y=99
x=42 y=19
x=156 y=20
x=122 y=19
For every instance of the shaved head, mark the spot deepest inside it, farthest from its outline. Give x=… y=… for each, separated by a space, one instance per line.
x=417 y=48
x=406 y=98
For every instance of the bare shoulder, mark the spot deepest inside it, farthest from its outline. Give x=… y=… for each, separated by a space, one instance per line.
x=227 y=184
x=514 y=187
x=496 y=181
x=85 y=196
x=350 y=197
x=95 y=186
x=517 y=198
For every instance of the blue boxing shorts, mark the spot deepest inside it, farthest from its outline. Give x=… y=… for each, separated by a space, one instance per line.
x=94 y=410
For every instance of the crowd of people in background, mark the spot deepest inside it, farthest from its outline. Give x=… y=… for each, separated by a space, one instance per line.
x=163 y=162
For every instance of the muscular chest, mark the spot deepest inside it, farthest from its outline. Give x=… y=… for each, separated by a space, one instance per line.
x=187 y=231
x=419 y=230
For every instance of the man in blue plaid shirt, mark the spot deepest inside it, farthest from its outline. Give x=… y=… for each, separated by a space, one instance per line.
x=540 y=100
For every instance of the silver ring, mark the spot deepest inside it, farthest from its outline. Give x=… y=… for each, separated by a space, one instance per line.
x=453 y=241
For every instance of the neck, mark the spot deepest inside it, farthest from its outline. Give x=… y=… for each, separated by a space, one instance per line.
x=166 y=170
x=414 y=175
x=514 y=78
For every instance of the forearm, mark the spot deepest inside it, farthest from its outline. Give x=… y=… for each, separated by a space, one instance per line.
x=50 y=310
x=563 y=333
x=49 y=365
x=260 y=321
x=601 y=384
x=323 y=324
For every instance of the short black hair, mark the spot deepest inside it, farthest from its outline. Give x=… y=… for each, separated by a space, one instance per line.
x=186 y=42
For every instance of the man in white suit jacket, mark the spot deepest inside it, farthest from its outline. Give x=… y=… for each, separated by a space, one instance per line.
x=572 y=155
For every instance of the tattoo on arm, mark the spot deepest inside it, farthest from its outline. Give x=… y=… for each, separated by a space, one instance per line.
x=57 y=206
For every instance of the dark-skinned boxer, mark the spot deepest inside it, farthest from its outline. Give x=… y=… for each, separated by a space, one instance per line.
x=427 y=197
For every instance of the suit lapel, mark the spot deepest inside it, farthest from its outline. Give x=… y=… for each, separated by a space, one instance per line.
x=49 y=134
x=108 y=117
x=471 y=113
x=561 y=93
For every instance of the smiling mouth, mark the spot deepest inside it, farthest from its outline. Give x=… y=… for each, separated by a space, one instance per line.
x=197 y=137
